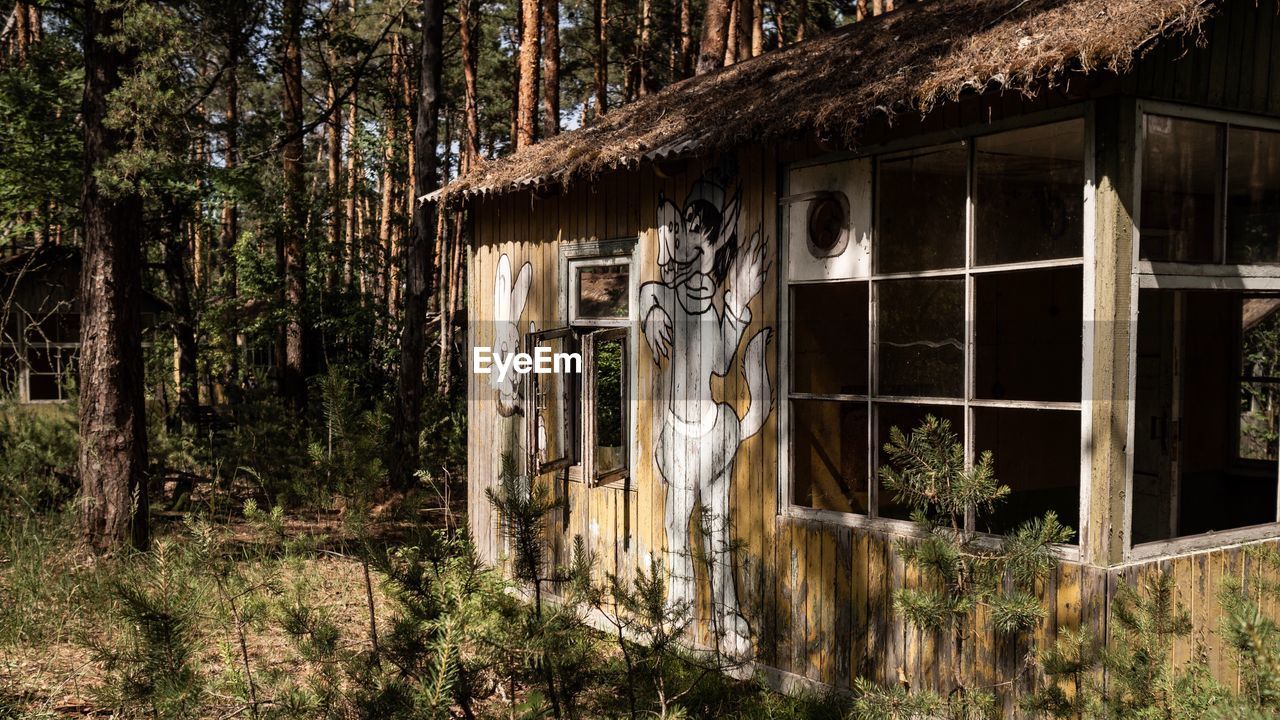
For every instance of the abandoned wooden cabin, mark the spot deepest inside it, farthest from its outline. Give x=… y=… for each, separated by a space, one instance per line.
x=40 y=323
x=1055 y=223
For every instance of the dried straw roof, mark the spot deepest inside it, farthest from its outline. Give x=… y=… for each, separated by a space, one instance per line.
x=830 y=86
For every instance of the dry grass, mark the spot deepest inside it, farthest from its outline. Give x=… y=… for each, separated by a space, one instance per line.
x=908 y=60
x=51 y=669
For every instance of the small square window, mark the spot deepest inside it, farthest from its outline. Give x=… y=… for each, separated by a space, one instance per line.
x=829 y=341
x=1028 y=335
x=1028 y=194
x=906 y=417
x=920 y=337
x=913 y=235
x=1180 y=189
x=1253 y=196
x=829 y=455
x=602 y=291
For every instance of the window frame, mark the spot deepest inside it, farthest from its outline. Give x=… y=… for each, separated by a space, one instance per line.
x=22 y=346
x=587 y=253
x=1084 y=113
x=1162 y=275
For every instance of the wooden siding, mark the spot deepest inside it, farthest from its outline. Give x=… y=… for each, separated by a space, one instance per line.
x=817 y=594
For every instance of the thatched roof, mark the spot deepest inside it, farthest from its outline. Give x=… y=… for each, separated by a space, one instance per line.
x=830 y=86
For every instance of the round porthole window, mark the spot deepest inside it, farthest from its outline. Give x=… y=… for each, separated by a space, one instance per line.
x=828 y=225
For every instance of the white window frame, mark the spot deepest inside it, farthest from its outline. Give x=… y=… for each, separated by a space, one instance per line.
x=1188 y=276
x=967 y=136
x=594 y=253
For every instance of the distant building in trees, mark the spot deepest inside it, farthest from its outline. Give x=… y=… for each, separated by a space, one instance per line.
x=40 y=322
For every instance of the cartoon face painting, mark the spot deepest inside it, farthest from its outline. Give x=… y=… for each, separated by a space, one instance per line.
x=508 y=305
x=693 y=320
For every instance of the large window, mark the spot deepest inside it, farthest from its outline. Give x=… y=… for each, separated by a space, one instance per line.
x=1205 y=419
x=1207 y=369
x=973 y=313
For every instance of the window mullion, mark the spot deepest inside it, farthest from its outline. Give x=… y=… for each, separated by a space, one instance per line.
x=970 y=240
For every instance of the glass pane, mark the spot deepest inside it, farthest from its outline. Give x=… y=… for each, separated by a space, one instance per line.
x=1260 y=362
x=65 y=328
x=1203 y=440
x=1259 y=405
x=610 y=413
x=829 y=455
x=9 y=368
x=1253 y=196
x=602 y=291
x=42 y=387
x=920 y=337
x=906 y=418
x=1028 y=335
x=829 y=332
x=42 y=359
x=1029 y=194
x=550 y=401
x=922 y=204
x=1037 y=454
x=1179 y=189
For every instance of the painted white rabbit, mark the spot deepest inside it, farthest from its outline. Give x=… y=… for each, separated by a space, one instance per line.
x=508 y=305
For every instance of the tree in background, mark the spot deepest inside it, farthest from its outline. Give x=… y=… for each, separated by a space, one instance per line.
x=113 y=445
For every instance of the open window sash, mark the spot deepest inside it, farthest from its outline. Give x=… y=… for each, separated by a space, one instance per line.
x=606 y=410
x=551 y=423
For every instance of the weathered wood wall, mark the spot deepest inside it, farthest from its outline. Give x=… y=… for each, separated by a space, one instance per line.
x=818 y=595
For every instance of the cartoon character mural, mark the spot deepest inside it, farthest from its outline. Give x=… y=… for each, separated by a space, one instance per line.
x=693 y=320
x=508 y=305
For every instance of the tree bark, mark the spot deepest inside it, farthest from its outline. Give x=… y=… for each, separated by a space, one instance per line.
x=684 y=31
x=802 y=19
x=731 y=43
x=417 y=251
x=600 y=24
x=293 y=384
x=530 y=49
x=333 y=138
x=113 y=435
x=469 y=37
x=757 y=28
x=233 y=342
x=388 y=275
x=551 y=67
x=715 y=36
x=642 y=52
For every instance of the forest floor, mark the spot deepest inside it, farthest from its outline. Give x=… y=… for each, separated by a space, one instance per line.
x=52 y=661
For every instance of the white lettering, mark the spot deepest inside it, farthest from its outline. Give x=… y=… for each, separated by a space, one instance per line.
x=542 y=362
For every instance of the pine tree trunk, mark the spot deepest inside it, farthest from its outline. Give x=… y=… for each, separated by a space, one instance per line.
x=292 y=247
x=333 y=137
x=179 y=281
x=685 y=34
x=113 y=435
x=715 y=36
x=387 y=276
x=642 y=53
x=746 y=22
x=802 y=19
x=731 y=43
x=417 y=251
x=469 y=37
x=530 y=49
x=551 y=67
x=757 y=28
x=233 y=342
x=600 y=24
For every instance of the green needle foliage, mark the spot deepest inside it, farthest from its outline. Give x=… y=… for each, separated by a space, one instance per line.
x=961 y=570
